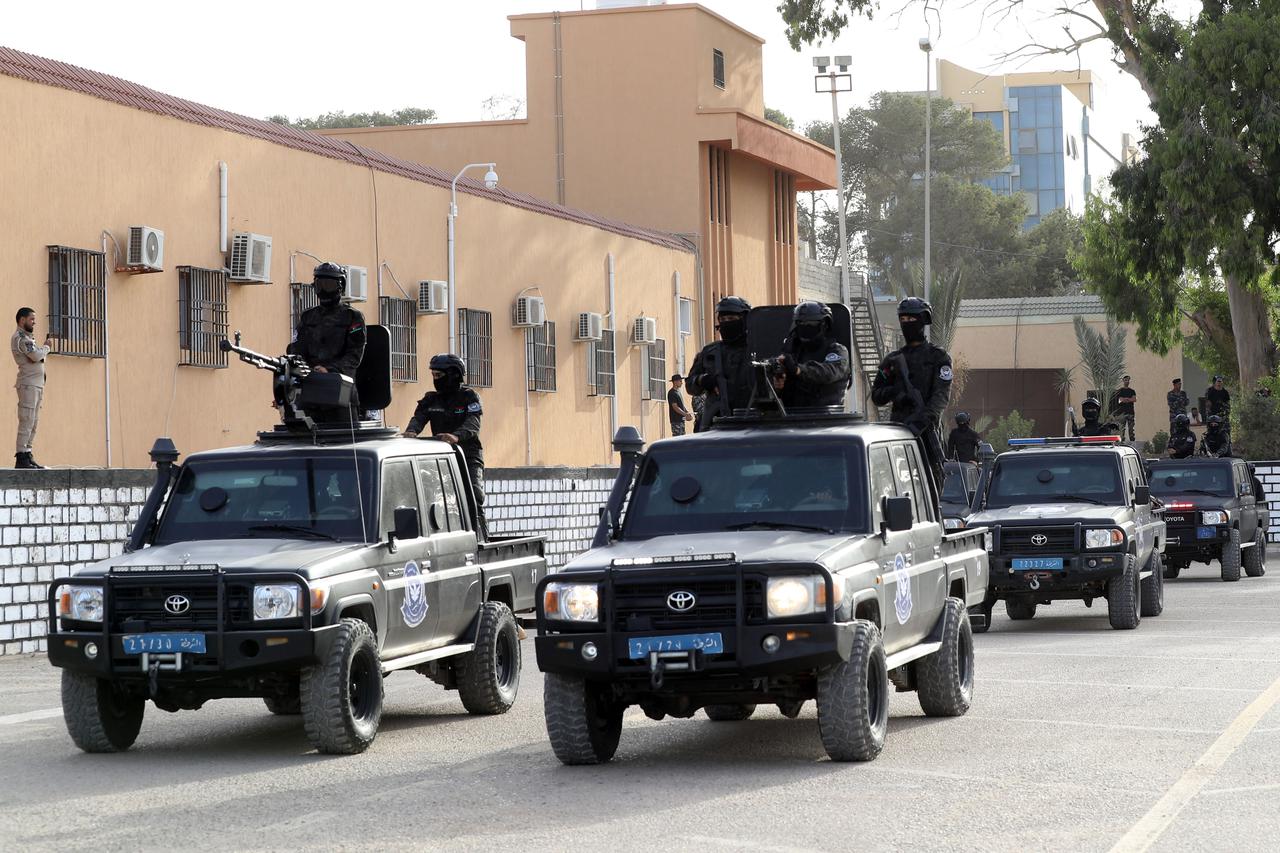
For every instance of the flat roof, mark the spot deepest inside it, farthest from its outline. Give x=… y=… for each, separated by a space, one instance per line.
x=1037 y=306
x=632 y=10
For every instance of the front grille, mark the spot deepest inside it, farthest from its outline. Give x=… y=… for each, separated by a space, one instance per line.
x=641 y=605
x=1019 y=539
x=143 y=600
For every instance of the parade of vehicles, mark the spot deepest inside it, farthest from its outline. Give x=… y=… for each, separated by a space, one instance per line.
x=1072 y=519
x=770 y=560
x=1215 y=509
x=301 y=570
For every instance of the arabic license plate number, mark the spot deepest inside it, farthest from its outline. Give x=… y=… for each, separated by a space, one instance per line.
x=1206 y=533
x=639 y=647
x=1023 y=563
x=167 y=643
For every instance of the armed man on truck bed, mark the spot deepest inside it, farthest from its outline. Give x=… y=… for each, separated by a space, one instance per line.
x=723 y=369
x=813 y=369
x=916 y=380
x=451 y=413
x=331 y=337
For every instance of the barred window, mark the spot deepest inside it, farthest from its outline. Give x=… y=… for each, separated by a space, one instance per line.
x=475 y=346
x=717 y=67
x=540 y=352
x=202 y=316
x=301 y=298
x=400 y=316
x=600 y=366
x=78 y=301
x=653 y=371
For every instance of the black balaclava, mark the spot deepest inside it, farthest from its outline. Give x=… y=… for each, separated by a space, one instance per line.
x=328 y=291
x=1091 y=412
x=811 y=332
x=449 y=383
x=912 y=332
x=733 y=327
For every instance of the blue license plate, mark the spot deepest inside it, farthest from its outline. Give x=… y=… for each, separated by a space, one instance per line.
x=168 y=643
x=1023 y=563
x=1206 y=533
x=640 y=647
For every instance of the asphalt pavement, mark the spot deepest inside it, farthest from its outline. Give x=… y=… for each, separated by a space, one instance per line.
x=1080 y=738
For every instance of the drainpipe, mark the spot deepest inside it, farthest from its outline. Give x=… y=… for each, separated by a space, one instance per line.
x=106 y=344
x=677 y=338
x=613 y=323
x=695 y=240
x=222 y=206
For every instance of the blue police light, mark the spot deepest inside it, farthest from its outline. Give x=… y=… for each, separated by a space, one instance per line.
x=1024 y=442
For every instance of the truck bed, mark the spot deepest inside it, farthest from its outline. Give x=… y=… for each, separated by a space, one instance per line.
x=519 y=558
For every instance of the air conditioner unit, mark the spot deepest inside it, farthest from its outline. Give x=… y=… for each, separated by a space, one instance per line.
x=644 y=331
x=590 y=327
x=433 y=297
x=250 y=257
x=357 y=283
x=528 y=311
x=146 y=249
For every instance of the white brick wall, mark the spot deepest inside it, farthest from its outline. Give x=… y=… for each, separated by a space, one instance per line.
x=1269 y=475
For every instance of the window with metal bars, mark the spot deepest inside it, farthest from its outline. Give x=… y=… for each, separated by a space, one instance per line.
x=78 y=301
x=540 y=352
x=475 y=346
x=301 y=298
x=717 y=67
x=400 y=316
x=202 y=316
x=653 y=371
x=601 y=367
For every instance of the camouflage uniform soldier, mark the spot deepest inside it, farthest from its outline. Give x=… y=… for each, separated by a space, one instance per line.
x=29 y=356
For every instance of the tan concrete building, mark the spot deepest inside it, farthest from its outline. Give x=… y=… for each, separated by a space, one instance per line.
x=88 y=157
x=653 y=115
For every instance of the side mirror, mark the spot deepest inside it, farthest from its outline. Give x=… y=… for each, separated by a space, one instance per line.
x=1141 y=495
x=897 y=513
x=408 y=525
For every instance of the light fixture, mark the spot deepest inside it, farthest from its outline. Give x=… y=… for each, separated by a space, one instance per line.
x=925 y=44
x=844 y=62
x=491 y=178
x=821 y=63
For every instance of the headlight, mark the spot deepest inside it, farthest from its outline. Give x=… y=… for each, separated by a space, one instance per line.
x=81 y=603
x=1213 y=517
x=1103 y=538
x=800 y=596
x=953 y=524
x=275 y=601
x=573 y=602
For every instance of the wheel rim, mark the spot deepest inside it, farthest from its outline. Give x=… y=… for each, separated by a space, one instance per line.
x=505 y=661
x=362 y=688
x=965 y=664
x=877 y=695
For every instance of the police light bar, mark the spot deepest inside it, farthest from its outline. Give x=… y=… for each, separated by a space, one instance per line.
x=1180 y=505
x=727 y=557
x=1064 y=440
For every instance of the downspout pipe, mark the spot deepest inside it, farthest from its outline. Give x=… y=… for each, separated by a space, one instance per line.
x=222 y=206
x=613 y=323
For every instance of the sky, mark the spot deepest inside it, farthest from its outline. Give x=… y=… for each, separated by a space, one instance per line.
x=306 y=58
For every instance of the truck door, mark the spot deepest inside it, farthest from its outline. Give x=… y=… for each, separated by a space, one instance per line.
x=1248 y=503
x=1144 y=520
x=896 y=555
x=457 y=575
x=929 y=576
x=413 y=603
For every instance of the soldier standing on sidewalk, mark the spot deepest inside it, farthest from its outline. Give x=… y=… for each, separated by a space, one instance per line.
x=30 y=358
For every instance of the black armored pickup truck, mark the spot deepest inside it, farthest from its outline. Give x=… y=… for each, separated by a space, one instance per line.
x=1215 y=509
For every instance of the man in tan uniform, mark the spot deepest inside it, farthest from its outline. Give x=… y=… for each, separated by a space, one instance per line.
x=29 y=357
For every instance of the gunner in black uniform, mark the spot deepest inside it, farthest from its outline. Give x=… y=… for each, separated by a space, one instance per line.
x=331 y=337
x=452 y=413
x=814 y=367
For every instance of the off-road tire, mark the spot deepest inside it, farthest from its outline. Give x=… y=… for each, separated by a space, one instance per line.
x=853 y=699
x=1020 y=609
x=944 y=679
x=1124 y=609
x=985 y=610
x=1255 y=559
x=99 y=717
x=1171 y=571
x=342 y=695
x=729 y=713
x=283 y=706
x=584 y=723
x=489 y=676
x=1231 y=557
x=1153 y=586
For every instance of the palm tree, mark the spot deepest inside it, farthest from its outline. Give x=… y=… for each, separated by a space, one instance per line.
x=1102 y=356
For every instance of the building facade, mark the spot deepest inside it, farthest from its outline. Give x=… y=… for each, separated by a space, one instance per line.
x=652 y=115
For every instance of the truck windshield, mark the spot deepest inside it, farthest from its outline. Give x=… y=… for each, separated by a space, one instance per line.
x=282 y=498
x=704 y=489
x=953 y=490
x=1037 y=479
x=1202 y=478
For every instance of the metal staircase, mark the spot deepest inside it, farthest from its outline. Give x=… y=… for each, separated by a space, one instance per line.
x=868 y=342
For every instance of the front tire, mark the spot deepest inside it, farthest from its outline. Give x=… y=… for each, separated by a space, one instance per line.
x=944 y=679
x=853 y=699
x=1123 y=597
x=1231 y=558
x=1020 y=609
x=729 y=713
x=342 y=695
x=489 y=676
x=584 y=723
x=99 y=717
x=1153 y=587
x=1255 y=561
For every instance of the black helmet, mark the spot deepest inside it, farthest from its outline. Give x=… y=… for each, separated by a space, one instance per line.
x=916 y=307
x=333 y=271
x=733 y=305
x=1181 y=421
x=324 y=278
x=1090 y=404
x=447 y=361
x=810 y=320
x=962 y=418
x=1215 y=421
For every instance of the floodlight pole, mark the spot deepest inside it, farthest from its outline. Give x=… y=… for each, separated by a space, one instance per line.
x=842 y=257
x=453 y=214
x=927 y=47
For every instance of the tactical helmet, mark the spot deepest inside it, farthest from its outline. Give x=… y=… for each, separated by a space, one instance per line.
x=333 y=271
x=809 y=311
x=1215 y=421
x=1090 y=404
x=733 y=305
x=447 y=361
x=962 y=418
x=916 y=307
x=1182 y=421
x=323 y=279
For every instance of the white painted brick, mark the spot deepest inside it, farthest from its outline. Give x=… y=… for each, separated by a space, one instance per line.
x=6 y=631
x=115 y=513
x=84 y=551
x=53 y=515
x=13 y=575
x=61 y=497
x=84 y=514
x=44 y=535
x=92 y=533
x=4 y=515
x=38 y=629
x=44 y=497
x=6 y=595
x=101 y=551
x=27 y=497
x=26 y=535
x=92 y=496
x=62 y=571
x=115 y=549
x=29 y=612
x=44 y=574
x=137 y=494
x=61 y=533
x=77 y=496
x=100 y=513
x=19 y=556
x=30 y=647
x=12 y=612
x=18 y=515
x=77 y=533
x=53 y=553
x=10 y=497
x=10 y=535
x=35 y=515
x=36 y=555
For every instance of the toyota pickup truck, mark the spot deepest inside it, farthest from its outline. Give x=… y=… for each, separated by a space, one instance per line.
x=301 y=570
x=1072 y=518
x=766 y=561
x=1215 y=509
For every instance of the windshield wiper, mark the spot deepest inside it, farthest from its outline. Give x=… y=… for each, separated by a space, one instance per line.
x=1198 y=492
x=778 y=525
x=1081 y=498
x=295 y=528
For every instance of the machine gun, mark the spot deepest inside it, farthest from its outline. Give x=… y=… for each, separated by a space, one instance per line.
x=295 y=387
x=719 y=402
x=925 y=432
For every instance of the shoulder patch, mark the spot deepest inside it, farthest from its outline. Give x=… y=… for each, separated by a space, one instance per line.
x=474 y=407
x=945 y=373
x=833 y=356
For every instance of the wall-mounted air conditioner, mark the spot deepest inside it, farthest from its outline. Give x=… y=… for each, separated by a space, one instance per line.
x=644 y=331
x=433 y=297
x=590 y=327
x=357 y=284
x=146 y=249
x=528 y=311
x=250 y=257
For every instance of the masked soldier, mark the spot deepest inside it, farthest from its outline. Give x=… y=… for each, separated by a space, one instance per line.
x=1217 y=439
x=723 y=369
x=1092 y=411
x=962 y=442
x=330 y=337
x=1182 y=441
x=452 y=413
x=814 y=366
x=919 y=397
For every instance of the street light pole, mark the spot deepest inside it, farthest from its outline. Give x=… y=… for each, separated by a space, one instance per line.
x=834 y=81
x=490 y=181
x=927 y=47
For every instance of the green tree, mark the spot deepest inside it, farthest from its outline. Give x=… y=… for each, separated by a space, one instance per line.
x=1012 y=425
x=779 y=117
x=408 y=115
x=1102 y=356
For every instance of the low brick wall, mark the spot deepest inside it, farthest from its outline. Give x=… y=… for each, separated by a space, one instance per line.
x=1269 y=475
x=562 y=504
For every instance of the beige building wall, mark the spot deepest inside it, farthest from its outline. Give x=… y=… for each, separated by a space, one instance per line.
x=75 y=165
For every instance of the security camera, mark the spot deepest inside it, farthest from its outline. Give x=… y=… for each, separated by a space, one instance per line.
x=925 y=44
x=821 y=61
x=491 y=178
